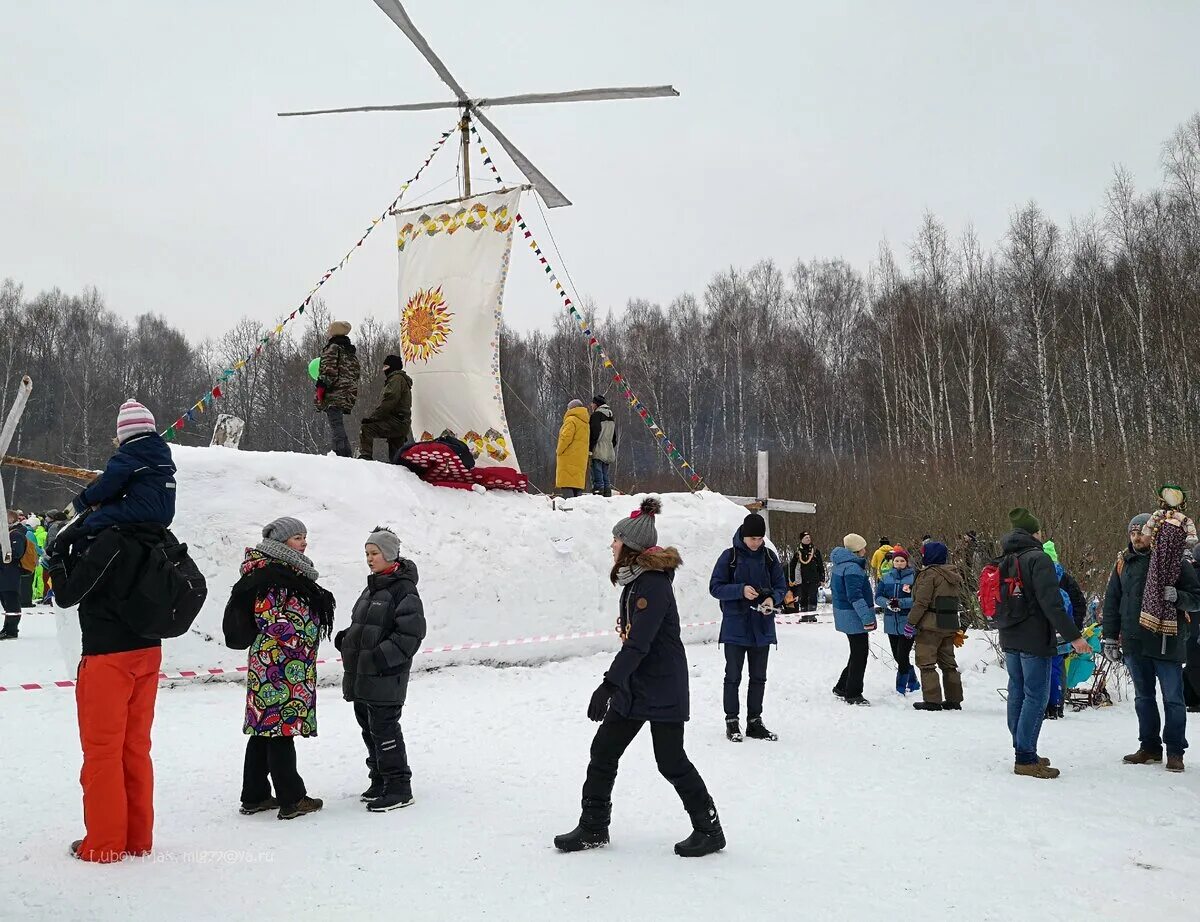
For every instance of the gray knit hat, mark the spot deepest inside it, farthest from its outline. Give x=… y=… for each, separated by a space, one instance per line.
x=283 y=528
x=385 y=539
x=638 y=531
x=1138 y=522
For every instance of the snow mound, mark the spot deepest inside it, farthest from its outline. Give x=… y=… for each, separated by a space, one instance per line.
x=493 y=566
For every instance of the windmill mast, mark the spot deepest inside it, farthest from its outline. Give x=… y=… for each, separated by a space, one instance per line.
x=465 y=127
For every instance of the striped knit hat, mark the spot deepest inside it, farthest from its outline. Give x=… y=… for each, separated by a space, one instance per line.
x=133 y=419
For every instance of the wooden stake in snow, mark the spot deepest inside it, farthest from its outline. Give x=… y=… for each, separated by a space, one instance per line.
x=763 y=503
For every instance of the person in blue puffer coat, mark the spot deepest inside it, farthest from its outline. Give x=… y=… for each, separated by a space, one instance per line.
x=853 y=614
x=894 y=595
x=749 y=580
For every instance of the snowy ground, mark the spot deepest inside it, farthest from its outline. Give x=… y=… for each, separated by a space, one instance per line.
x=855 y=814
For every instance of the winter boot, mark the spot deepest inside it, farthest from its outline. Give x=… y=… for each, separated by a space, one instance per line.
x=592 y=831
x=838 y=693
x=756 y=731
x=913 y=684
x=901 y=683
x=390 y=800
x=707 y=836
x=858 y=701
x=928 y=706
x=261 y=807
x=733 y=730
x=1051 y=711
x=374 y=792
x=607 y=494
x=951 y=705
x=1036 y=770
x=1175 y=763
x=302 y=807
x=1143 y=757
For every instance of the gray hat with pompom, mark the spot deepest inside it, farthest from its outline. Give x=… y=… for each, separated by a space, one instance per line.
x=388 y=543
x=638 y=532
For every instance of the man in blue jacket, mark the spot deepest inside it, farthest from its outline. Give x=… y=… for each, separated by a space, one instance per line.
x=749 y=580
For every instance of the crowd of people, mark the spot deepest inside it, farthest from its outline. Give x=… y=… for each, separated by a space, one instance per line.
x=280 y=614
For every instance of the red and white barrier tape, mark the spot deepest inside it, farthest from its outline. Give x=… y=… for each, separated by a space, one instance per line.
x=448 y=648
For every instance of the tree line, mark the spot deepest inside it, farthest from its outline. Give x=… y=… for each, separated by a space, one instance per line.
x=925 y=393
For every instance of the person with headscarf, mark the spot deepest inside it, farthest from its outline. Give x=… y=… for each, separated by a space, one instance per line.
x=291 y=614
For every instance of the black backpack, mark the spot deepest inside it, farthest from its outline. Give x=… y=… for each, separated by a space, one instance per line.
x=169 y=592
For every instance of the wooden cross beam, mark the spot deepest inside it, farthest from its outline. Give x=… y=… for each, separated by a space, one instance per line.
x=763 y=503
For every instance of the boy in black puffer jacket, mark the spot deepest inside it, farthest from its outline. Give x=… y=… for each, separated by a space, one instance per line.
x=386 y=630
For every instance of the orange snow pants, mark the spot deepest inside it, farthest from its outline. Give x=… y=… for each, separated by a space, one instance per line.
x=115 y=696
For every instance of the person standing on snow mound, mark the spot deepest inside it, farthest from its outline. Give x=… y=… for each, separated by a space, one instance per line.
x=647 y=682
x=602 y=444
x=138 y=483
x=278 y=595
x=749 y=581
x=1151 y=658
x=1028 y=614
x=385 y=633
x=853 y=614
x=392 y=419
x=570 y=472
x=337 y=384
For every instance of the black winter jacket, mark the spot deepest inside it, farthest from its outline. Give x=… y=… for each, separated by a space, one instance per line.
x=1123 y=606
x=385 y=633
x=1032 y=630
x=11 y=573
x=650 y=672
x=97 y=575
x=809 y=573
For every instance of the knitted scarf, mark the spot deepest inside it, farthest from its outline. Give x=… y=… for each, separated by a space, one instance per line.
x=627 y=575
x=290 y=556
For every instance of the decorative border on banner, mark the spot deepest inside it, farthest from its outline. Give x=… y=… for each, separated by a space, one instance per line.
x=693 y=478
x=215 y=393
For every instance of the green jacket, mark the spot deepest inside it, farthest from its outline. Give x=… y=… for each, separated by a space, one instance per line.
x=1123 y=605
x=393 y=416
x=340 y=371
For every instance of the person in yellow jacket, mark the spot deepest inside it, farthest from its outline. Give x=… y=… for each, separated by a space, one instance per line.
x=879 y=557
x=570 y=475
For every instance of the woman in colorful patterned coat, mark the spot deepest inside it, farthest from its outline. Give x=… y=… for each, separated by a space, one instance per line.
x=291 y=612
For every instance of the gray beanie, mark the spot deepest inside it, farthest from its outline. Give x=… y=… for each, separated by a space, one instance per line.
x=1138 y=521
x=385 y=539
x=638 y=531
x=283 y=528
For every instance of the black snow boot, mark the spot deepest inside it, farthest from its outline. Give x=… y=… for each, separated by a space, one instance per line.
x=928 y=706
x=733 y=730
x=592 y=831
x=390 y=800
x=756 y=731
x=374 y=792
x=707 y=836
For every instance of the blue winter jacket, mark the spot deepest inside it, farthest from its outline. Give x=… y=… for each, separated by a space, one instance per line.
x=740 y=625
x=853 y=606
x=137 y=486
x=898 y=585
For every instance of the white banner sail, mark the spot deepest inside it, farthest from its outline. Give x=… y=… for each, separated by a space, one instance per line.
x=453 y=265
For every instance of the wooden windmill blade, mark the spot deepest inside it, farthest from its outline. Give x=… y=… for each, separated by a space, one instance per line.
x=523 y=99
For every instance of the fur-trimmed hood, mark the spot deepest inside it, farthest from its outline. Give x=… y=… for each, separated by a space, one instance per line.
x=660 y=559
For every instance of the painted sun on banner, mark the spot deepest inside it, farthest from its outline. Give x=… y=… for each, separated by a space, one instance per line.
x=453 y=267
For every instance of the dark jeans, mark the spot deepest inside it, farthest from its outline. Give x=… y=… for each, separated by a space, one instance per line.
x=26 y=593
x=901 y=651
x=273 y=756
x=850 y=685
x=371 y=431
x=337 y=431
x=808 y=596
x=600 y=481
x=1028 y=693
x=613 y=738
x=735 y=656
x=387 y=759
x=1144 y=671
x=11 y=603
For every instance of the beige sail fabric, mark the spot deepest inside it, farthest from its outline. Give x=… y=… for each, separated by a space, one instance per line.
x=453 y=265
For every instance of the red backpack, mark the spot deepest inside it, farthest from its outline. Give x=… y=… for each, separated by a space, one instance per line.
x=989 y=590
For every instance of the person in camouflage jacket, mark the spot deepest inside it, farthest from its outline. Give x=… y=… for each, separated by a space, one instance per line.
x=337 y=384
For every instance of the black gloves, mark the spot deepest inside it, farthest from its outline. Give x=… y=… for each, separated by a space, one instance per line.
x=598 y=706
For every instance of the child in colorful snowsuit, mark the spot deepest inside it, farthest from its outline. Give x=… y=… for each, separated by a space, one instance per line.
x=1170 y=529
x=138 y=483
x=894 y=597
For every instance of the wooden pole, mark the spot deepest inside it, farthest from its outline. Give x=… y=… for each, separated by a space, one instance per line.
x=74 y=473
x=465 y=127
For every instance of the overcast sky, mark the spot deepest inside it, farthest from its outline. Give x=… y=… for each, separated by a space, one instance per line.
x=141 y=152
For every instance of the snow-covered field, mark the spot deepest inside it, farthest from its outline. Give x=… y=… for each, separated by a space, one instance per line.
x=855 y=814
